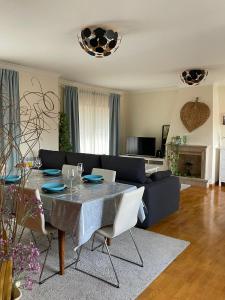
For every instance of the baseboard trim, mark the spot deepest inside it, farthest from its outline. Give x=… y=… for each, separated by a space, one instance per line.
x=194 y=181
x=212 y=185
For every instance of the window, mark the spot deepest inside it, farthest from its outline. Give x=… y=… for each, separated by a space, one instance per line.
x=94 y=122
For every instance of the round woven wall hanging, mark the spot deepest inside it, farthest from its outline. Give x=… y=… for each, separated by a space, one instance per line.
x=194 y=114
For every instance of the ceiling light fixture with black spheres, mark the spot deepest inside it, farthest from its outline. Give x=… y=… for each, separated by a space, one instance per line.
x=193 y=76
x=98 y=41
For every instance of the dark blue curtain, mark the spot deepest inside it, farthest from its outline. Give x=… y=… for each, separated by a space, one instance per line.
x=114 y=117
x=71 y=109
x=9 y=117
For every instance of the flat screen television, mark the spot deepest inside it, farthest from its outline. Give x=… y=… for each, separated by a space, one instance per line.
x=141 y=146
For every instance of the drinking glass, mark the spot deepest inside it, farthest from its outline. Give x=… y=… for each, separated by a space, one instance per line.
x=38 y=163
x=80 y=169
x=30 y=162
x=71 y=176
x=26 y=169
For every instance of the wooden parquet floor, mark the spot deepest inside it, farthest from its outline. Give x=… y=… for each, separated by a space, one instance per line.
x=199 y=272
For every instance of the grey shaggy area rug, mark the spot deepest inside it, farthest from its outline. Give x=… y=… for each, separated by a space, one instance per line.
x=158 y=251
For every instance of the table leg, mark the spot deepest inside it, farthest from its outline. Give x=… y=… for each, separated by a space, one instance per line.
x=109 y=242
x=61 y=241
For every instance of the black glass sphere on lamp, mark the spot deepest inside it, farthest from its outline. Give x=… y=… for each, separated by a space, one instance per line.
x=99 y=42
x=193 y=76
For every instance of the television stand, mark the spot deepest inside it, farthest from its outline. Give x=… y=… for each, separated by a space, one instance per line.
x=151 y=162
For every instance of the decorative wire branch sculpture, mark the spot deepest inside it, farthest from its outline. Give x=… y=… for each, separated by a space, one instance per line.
x=36 y=109
x=18 y=138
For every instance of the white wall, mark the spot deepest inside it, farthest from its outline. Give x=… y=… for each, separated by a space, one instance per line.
x=221 y=96
x=146 y=113
x=219 y=128
x=216 y=133
x=203 y=134
x=49 y=82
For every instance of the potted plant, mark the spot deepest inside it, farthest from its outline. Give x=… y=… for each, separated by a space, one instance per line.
x=173 y=156
x=64 y=137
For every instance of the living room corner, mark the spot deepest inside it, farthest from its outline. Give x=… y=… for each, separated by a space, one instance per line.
x=112 y=150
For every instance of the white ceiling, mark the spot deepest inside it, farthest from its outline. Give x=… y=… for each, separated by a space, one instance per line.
x=160 y=39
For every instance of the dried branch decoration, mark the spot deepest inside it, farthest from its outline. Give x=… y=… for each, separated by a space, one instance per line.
x=36 y=109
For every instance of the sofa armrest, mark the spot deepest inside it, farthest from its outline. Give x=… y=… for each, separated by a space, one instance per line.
x=160 y=175
x=161 y=199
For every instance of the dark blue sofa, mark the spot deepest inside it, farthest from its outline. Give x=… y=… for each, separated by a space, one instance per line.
x=162 y=191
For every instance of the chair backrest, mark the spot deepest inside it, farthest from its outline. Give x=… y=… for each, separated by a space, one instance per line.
x=108 y=175
x=29 y=210
x=127 y=213
x=66 y=168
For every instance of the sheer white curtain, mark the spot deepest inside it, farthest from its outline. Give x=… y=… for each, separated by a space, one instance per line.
x=94 y=122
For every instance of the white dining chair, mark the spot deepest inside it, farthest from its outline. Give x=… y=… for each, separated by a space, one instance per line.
x=30 y=215
x=125 y=220
x=66 y=168
x=108 y=175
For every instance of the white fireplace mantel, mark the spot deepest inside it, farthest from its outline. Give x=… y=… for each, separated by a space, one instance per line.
x=201 y=152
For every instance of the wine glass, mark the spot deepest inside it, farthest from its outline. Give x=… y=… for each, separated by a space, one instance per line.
x=80 y=169
x=38 y=163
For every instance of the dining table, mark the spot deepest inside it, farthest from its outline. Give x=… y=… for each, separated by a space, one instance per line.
x=79 y=211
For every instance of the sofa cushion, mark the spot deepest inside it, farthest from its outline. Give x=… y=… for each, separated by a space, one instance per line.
x=89 y=161
x=130 y=169
x=52 y=159
x=160 y=175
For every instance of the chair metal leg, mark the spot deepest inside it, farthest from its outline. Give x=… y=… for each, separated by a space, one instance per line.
x=92 y=244
x=21 y=235
x=98 y=246
x=139 y=254
x=127 y=260
x=33 y=236
x=94 y=276
x=78 y=257
x=50 y=238
x=114 y=270
x=46 y=255
x=103 y=245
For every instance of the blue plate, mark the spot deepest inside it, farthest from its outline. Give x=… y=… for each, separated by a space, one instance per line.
x=53 y=187
x=11 y=178
x=93 y=178
x=52 y=172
